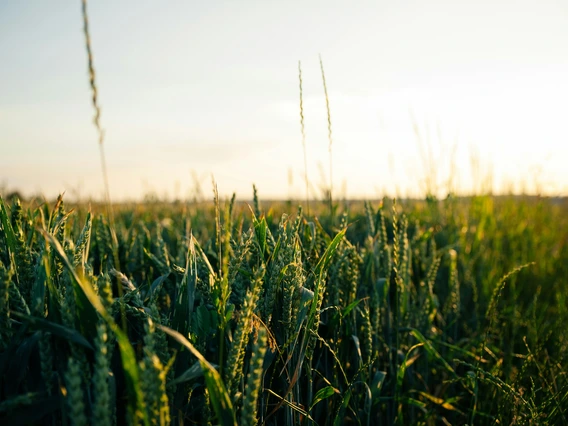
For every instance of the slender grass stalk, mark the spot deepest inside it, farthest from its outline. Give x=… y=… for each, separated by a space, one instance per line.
x=490 y=318
x=304 y=138
x=329 y=135
x=395 y=287
x=221 y=283
x=101 y=135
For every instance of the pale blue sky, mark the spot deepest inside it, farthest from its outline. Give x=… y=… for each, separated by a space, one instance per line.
x=212 y=87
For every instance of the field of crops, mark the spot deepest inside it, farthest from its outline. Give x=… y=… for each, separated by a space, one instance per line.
x=437 y=312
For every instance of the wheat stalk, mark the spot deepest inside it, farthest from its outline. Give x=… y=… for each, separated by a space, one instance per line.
x=94 y=98
x=329 y=135
x=75 y=395
x=304 y=137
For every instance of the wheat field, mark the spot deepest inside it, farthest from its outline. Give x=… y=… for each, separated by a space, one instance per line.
x=316 y=312
x=440 y=312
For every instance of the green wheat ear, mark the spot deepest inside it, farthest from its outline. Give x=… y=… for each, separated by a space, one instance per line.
x=256 y=202
x=83 y=244
x=75 y=395
x=293 y=282
x=102 y=413
x=153 y=380
x=22 y=256
x=234 y=366
x=254 y=380
x=366 y=329
x=17 y=301
x=46 y=361
x=452 y=307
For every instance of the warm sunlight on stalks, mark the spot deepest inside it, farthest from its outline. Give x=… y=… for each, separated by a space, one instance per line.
x=451 y=312
x=368 y=313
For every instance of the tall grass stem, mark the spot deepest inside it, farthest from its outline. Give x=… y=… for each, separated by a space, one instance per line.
x=304 y=137
x=329 y=135
x=95 y=101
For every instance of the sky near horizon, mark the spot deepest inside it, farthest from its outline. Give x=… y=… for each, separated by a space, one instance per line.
x=452 y=90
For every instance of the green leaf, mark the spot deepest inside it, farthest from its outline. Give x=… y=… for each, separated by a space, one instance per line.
x=218 y=394
x=323 y=263
x=86 y=312
x=18 y=366
x=307 y=296
x=203 y=257
x=261 y=233
x=340 y=314
x=439 y=401
x=185 y=298
x=229 y=312
x=432 y=351
x=339 y=417
x=377 y=384
x=357 y=344
x=54 y=328
x=293 y=406
x=156 y=285
x=191 y=373
x=402 y=367
x=319 y=272
x=414 y=403
x=42 y=276
x=322 y=394
x=350 y=307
